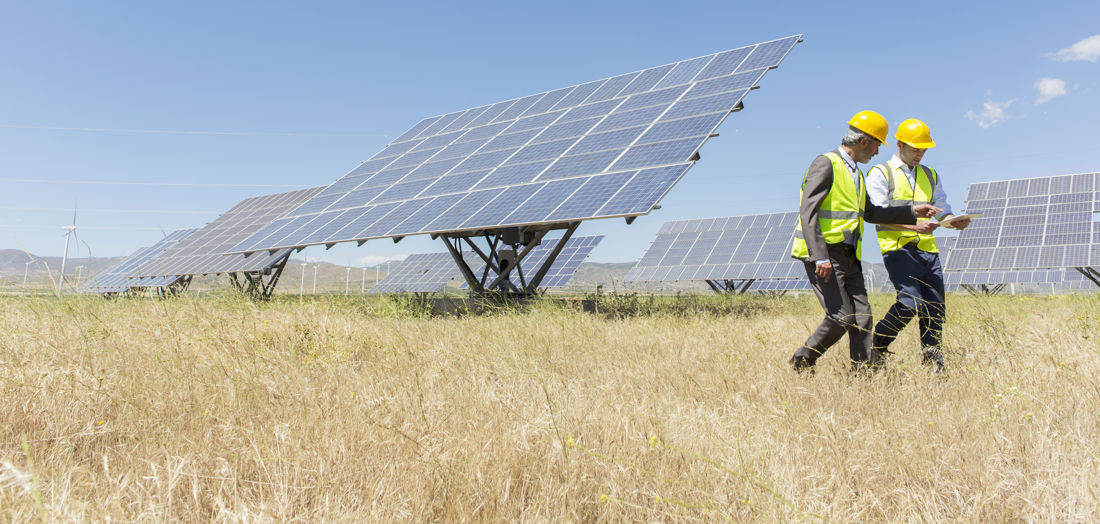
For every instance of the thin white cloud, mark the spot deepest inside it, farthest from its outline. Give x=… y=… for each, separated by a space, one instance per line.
x=992 y=113
x=1049 y=89
x=1086 y=50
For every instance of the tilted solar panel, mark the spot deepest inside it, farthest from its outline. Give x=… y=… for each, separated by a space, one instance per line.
x=756 y=247
x=420 y=273
x=114 y=279
x=204 y=251
x=1031 y=223
x=608 y=148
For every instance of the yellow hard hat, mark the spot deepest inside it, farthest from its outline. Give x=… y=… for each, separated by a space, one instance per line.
x=915 y=133
x=871 y=123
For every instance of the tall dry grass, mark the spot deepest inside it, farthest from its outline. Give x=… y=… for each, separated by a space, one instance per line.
x=219 y=409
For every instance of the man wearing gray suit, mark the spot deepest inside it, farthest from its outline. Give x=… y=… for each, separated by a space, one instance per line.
x=834 y=205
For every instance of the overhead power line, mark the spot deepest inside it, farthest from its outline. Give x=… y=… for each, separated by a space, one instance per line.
x=185 y=131
x=159 y=184
x=100 y=210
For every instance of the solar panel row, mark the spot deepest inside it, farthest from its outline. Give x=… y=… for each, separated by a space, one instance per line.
x=1032 y=223
x=114 y=280
x=728 y=248
x=203 y=252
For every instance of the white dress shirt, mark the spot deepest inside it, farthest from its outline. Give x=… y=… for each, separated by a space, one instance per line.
x=879 y=192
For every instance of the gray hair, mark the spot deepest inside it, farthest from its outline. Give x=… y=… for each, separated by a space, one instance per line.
x=854 y=136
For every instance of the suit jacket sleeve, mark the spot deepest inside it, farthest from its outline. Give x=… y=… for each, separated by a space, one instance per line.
x=819 y=180
x=888 y=215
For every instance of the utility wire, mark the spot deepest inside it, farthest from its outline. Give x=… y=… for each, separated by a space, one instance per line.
x=94 y=210
x=159 y=184
x=185 y=132
x=96 y=228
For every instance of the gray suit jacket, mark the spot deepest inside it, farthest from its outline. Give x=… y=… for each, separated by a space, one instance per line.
x=819 y=181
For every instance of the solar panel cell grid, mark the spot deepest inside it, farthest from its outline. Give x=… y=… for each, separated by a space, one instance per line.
x=754 y=246
x=114 y=279
x=203 y=251
x=541 y=127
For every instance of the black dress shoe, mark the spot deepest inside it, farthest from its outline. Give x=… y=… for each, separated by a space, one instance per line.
x=932 y=356
x=802 y=363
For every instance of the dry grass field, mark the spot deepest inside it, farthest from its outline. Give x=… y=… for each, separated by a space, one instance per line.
x=676 y=410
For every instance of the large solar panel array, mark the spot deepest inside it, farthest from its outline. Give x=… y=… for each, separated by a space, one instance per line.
x=1031 y=223
x=608 y=148
x=114 y=279
x=421 y=273
x=564 y=266
x=729 y=248
x=204 y=251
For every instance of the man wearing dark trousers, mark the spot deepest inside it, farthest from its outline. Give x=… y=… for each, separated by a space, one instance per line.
x=909 y=251
x=834 y=205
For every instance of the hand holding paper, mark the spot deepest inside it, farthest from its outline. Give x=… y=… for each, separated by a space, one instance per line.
x=959 y=221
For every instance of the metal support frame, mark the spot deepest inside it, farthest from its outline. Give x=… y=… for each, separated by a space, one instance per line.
x=984 y=289
x=737 y=285
x=496 y=277
x=1090 y=273
x=175 y=288
x=254 y=283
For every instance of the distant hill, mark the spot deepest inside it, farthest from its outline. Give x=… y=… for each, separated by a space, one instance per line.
x=13 y=262
x=330 y=278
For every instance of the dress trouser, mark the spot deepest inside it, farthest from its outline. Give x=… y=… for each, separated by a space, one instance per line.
x=844 y=298
x=918 y=278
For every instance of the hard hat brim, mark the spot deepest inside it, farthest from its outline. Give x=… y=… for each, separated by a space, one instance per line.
x=921 y=145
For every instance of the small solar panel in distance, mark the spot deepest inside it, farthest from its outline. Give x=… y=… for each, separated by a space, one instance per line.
x=1031 y=223
x=608 y=148
x=204 y=251
x=420 y=273
x=114 y=279
x=728 y=248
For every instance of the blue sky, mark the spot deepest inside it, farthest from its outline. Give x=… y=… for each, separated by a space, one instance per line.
x=152 y=117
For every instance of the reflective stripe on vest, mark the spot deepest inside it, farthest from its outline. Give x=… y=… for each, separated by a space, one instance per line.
x=841 y=213
x=901 y=193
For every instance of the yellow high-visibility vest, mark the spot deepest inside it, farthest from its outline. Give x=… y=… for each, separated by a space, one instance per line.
x=841 y=213
x=900 y=193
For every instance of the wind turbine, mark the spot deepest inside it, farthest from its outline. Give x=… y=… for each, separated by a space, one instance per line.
x=27 y=268
x=70 y=231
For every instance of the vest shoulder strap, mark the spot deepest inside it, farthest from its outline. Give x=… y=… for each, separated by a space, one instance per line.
x=932 y=175
x=885 y=168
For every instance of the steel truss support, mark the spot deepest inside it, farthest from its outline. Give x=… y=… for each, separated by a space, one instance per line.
x=773 y=292
x=739 y=285
x=1090 y=273
x=254 y=283
x=175 y=288
x=984 y=289
x=503 y=254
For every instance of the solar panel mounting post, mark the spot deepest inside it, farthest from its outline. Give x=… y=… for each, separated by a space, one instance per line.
x=730 y=286
x=522 y=241
x=175 y=288
x=255 y=285
x=1090 y=273
x=533 y=285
